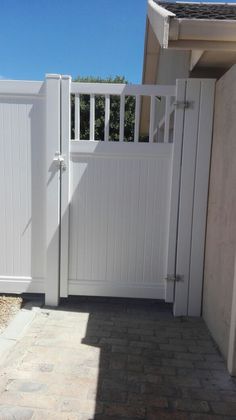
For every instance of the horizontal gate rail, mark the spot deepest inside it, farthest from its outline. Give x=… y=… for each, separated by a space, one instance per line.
x=124 y=150
x=122 y=89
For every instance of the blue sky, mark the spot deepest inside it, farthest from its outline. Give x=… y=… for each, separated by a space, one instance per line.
x=85 y=37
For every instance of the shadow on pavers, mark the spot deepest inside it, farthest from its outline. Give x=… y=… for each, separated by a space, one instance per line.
x=151 y=365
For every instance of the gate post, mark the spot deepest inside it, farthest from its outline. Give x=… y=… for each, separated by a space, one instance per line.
x=65 y=174
x=53 y=188
x=175 y=188
x=197 y=137
x=202 y=171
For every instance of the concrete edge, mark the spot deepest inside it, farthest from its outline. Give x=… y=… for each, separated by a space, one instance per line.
x=16 y=328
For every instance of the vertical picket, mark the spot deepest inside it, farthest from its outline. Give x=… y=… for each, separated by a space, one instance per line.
x=122 y=117
x=167 y=120
x=65 y=174
x=152 y=119
x=77 y=117
x=137 y=117
x=53 y=188
x=107 y=117
x=92 y=117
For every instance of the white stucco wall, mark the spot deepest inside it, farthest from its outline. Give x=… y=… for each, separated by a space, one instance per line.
x=173 y=64
x=162 y=66
x=221 y=222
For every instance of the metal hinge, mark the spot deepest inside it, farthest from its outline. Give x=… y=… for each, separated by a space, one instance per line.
x=173 y=277
x=60 y=160
x=181 y=105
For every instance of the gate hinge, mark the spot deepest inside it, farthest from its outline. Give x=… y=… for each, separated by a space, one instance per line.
x=173 y=277
x=181 y=105
x=60 y=160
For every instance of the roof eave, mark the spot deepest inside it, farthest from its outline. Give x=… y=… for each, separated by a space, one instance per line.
x=195 y=35
x=213 y=30
x=159 y=18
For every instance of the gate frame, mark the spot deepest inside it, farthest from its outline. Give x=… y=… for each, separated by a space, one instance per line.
x=189 y=191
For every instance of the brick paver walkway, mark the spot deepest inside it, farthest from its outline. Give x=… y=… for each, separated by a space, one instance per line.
x=115 y=359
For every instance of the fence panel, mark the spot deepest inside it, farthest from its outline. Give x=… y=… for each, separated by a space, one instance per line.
x=22 y=187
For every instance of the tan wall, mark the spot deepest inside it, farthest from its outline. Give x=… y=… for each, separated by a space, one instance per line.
x=221 y=222
x=165 y=74
x=150 y=65
x=161 y=66
x=173 y=64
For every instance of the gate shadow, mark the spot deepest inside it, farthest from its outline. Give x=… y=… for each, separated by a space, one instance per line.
x=124 y=332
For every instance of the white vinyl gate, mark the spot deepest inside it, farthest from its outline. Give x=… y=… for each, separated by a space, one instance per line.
x=118 y=219
x=100 y=217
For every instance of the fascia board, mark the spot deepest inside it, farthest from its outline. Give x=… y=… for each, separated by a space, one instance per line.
x=191 y=44
x=159 y=18
x=202 y=30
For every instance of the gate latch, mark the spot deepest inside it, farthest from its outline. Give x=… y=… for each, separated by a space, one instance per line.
x=60 y=160
x=173 y=277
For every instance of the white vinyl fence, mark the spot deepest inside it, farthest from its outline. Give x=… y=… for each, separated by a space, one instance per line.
x=22 y=187
x=101 y=217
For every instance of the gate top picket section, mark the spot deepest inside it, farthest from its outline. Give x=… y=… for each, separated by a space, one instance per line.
x=79 y=88
x=159 y=114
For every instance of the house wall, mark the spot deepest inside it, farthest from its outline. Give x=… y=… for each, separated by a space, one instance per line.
x=221 y=222
x=158 y=68
x=150 y=65
x=168 y=73
x=173 y=64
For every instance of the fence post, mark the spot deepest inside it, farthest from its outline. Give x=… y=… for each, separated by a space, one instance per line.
x=53 y=188
x=197 y=138
x=202 y=169
x=65 y=174
x=175 y=188
x=187 y=181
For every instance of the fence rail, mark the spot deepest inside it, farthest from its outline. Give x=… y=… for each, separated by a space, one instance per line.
x=160 y=109
x=25 y=88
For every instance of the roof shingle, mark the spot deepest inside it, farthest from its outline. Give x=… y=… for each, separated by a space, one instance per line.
x=218 y=11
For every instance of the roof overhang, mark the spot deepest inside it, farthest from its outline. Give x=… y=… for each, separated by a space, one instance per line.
x=170 y=29
x=211 y=42
x=159 y=19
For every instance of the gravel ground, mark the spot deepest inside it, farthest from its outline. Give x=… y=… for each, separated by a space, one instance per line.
x=9 y=306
